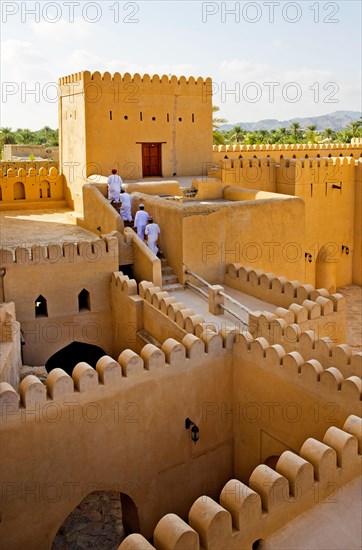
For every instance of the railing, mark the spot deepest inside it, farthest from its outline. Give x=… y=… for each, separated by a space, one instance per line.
x=219 y=293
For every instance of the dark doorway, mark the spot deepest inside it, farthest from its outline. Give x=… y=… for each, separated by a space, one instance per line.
x=76 y=352
x=151 y=159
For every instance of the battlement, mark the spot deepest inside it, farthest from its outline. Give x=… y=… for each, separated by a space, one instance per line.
x=33 y=187
x=238 y=148
x=248 y=513
x=67 y=252
x=77 y=82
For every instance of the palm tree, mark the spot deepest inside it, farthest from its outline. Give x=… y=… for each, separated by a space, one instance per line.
x=7 y=135
x=311 y=135
x=296 y=130
x=217 y=121
x=238 y=135
x=329 y=134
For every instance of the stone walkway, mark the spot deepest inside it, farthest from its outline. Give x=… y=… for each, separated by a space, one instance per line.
x=353 y=295
x=95 y=524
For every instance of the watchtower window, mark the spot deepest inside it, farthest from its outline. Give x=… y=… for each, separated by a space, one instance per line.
x=193 y=117
x=41 y=309
x=84 y=300
x=141 y=116
x=168 y=117
x=110 y=115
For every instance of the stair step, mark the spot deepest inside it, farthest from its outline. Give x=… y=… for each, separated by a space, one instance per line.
x=163 y=261
x=176 y=286
x=169 y=279
x=166 y=270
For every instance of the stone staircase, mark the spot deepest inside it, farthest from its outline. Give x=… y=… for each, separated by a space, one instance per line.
x=169 y=279
x=189 y=193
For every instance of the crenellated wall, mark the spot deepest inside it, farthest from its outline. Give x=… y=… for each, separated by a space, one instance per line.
x=31 y=188
x=290 y=150
x=253 y=173
x=250 y=513
x=310 y=308
x=121 y=426
x=30 y=274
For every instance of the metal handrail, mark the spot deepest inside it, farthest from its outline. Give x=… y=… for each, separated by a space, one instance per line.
x=197 y=288
x=235 y=302
x=234 y=314
x=220 y=293
x=197 y=277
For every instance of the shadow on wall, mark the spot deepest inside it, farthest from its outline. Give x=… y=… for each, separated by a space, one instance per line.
x=72 y=354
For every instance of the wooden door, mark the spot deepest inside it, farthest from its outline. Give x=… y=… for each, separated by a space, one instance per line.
x=151 y=159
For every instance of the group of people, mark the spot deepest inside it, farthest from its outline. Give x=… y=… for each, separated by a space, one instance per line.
x=143 y=223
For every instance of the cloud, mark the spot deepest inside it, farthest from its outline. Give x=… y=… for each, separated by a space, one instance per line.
x=22 y=62
x=63 y=30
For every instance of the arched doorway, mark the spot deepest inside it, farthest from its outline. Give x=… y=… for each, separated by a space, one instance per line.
x=98 y=522
x=72 y=354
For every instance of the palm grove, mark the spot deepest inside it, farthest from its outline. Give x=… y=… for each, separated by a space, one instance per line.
x=293 y=134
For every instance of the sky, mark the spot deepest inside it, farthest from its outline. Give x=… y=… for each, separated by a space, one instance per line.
x=267 y=59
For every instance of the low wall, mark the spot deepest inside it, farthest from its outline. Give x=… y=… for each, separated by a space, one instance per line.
x=250 y=513
x=28 y=189
x=146 y=265
x=300 y=150
x=99 y=216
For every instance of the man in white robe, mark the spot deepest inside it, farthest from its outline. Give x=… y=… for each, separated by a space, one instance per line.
x=152 y=231
x=140 y=221
x=126 y=207
x=114 y=186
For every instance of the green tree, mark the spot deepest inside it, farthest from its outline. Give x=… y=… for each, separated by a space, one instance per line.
x=237 y=135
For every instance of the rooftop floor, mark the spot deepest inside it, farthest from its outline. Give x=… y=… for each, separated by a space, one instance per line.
x=29 y=227
x=334 y=524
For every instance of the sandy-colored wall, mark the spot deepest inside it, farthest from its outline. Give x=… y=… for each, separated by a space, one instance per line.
x=146 y=265
x=313 y=181
x=50 y=153
x=99 y=216
x=72 y=143
x=299 y=151
x=138 y=424
x=277 y=408
x=217 y=234
x=101 y=125
x=32 y=188
x=251 y=173
x=357 y=252
x=83 y=266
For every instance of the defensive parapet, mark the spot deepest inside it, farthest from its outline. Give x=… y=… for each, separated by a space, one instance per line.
x=250 y=513
x=252 y=173
x=310 y=308
x=32 y=188
x=314 y=177
x=290 y=150
x=129 y=85
x=63 y=253
x=147 y=308
x=10 y=356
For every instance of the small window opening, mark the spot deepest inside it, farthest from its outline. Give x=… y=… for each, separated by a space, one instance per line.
x=84 y=300
x=41 y=309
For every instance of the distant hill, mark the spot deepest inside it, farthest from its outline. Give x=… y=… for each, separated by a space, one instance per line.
x=337 y=121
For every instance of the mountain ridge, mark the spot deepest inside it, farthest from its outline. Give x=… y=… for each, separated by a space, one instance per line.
x=337 y=120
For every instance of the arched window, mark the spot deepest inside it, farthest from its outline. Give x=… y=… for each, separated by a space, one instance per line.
x=41 y=309
x=84 y=300
x=44 y=189
x=19 y=191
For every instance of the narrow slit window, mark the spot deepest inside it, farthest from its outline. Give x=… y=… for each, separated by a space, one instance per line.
x=84 y=300
x=193 y=117
x=110 y=115
x=168 y=117
x=141 y=116
x=41 y=308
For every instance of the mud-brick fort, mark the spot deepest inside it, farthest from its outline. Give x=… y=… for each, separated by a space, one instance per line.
x=208 y=399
